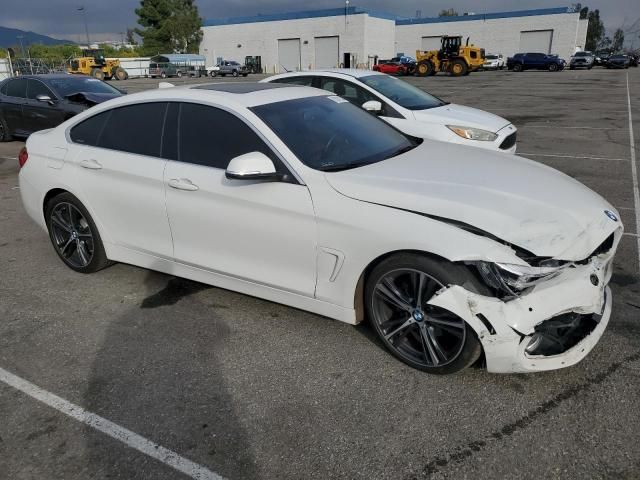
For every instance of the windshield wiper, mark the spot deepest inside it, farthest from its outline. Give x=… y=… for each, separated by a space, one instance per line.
x=343 y=166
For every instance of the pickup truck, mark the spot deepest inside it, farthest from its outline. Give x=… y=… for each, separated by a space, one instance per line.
x=535 y=61
x=229 y=67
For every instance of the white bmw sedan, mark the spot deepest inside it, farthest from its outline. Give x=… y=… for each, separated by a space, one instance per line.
x=296 y=196
x=411 y=110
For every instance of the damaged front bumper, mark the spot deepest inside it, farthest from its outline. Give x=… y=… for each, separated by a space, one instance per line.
x=544 y=328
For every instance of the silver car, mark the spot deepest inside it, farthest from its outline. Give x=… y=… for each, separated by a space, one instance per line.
x=582 y=60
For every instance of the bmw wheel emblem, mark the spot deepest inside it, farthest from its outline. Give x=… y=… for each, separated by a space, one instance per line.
x=611 y=215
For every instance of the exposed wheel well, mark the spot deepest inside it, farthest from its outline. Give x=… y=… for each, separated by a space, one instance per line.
x=358 y=301
x=50 y=194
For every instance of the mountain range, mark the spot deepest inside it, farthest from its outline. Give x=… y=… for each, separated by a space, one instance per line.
x=9 y=38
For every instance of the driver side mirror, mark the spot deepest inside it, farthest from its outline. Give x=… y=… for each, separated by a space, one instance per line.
x=251 y=166
x=372 y=106
x=45 y=99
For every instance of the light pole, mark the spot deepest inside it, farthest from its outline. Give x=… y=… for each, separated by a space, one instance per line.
x=346 y=13
x=86 y=27
x=20 y=37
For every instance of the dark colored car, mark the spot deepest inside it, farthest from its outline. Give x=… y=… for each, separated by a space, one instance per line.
x=582 y=60
x=392 y=68
x=535 y=61
x=634 y=59
x=601 y=57
x=618 y=61
x=36 y=102
x=165 y=69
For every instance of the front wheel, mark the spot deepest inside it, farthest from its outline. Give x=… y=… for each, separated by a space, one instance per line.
x=553 y=67
x=213 y=73
x=74 y=235
x=179 y=74
x=429 y=338
x=235 y=73
x=5 y=136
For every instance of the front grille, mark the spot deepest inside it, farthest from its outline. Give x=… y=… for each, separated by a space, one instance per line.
x=509 y=142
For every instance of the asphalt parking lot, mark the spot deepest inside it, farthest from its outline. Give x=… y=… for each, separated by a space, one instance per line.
x=250 y=389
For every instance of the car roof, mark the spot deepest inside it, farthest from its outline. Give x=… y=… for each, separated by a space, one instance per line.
x=52 y=76
x=351 y=72
x=243 y=87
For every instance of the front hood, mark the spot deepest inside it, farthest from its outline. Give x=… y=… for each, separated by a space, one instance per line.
x=520 y=201
x=460 y=115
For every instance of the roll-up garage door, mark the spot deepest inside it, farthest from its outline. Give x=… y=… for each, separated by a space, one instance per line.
x=327 y=52
x=536 y=41
x=289 y=54
x=431 y=43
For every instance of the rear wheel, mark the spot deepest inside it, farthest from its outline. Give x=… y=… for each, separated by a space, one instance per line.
x=163 y=75
x=97 y=73
x=458 y=68
x=121 y=73
x=74 y=235
x=426 y=337
x=213 y=73
x=5 y=136
x=178 y=74
x=517 y=67
x=235 y=73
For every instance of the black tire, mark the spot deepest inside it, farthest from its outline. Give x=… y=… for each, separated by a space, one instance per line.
x=517 y=67
x=163 y=75
x=97 y=73
x=553 y=67
x=458 y=68
x=571 y=67
x=234 y=73
x=245 y=74
x=121 y=74
x=179 y=74
x=5 y=136
x=460 y=343
x=213 y=73
x=425 y=69
x=83 y=235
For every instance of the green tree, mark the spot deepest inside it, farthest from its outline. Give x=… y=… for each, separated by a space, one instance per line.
x=131 y=39
x=618 y=40
x=170 y=26
x=595 y=30
x=449 y=12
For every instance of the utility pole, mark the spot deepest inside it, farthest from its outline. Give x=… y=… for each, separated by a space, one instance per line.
x=86 y=27
x=20 y=37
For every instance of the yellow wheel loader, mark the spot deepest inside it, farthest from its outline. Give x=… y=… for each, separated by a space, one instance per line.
x=93 y=63
x=453 y=58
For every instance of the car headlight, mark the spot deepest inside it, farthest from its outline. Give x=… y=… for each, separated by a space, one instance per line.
x=513 y=279
x=471 y=133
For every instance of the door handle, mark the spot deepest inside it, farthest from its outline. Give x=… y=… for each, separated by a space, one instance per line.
x=183 y=184
x=90 y=164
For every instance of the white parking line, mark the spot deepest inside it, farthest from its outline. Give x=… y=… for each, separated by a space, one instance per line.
x=566 y=127
x=107 y=427
x=631 y=234
x=634 y=168
x=583 y=157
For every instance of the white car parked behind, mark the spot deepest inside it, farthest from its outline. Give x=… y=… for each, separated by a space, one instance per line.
x=297 y=196
x=493 y=61
x=409 y=109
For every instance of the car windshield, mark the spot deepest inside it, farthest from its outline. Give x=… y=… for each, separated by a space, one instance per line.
x=402 y=93
x=330 y=134
x=491 y=57
x=72 y=84
x=618 y=57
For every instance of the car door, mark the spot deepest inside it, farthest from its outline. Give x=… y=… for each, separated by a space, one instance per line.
x=117 y=162
x=41 y=115
x=15 y=97
x=261 y=231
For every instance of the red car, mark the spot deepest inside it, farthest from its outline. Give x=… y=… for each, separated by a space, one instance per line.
x=392 y=68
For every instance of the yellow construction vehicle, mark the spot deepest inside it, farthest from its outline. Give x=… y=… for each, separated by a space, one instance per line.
x=453 y=58
x=93 y=63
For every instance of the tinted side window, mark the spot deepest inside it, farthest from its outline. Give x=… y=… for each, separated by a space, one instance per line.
x=306 y=81
x=212 y=137
x=3 y=88
x=135 y=129
x=17 y=88
x=88 y=132
x=35 y=88
x=349 y=91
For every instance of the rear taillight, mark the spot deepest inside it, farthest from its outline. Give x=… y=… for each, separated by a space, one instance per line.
x=23 y=156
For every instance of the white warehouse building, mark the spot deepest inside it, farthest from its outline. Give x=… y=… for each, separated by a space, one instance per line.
x=356 y=37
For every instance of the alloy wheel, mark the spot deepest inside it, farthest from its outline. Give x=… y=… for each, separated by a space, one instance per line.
x=72 y=235
x=423 y=334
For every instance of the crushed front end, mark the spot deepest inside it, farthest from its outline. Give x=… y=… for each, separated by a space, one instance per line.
x=541 y=318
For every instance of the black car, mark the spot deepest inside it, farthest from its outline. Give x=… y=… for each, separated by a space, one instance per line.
x=35 y=102
x=535 y=61
x=618 y=61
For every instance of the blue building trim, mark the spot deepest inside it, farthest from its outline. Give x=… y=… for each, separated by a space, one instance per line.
x=486 y=16
x=275 y=17
x=337 y=12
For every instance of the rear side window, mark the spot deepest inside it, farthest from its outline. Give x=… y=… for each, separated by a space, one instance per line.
x=3 y=88
x=88 y=132
x=17 y=88
x=347 y=90
x=212 y=137
x=135 y=129
x=35 y=88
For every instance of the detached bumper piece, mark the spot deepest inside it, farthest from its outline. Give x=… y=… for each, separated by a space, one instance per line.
x=561 y=333
x=509 y=142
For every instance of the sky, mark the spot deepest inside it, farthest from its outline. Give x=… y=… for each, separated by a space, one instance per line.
x=107 y=18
